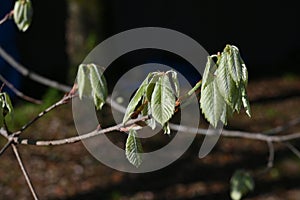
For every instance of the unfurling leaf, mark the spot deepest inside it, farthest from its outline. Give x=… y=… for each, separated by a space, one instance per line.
x=92 y=84
x=241 y=184
x=134 y=148
x=23 y=14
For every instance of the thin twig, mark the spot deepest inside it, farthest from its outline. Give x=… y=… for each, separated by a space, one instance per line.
x=284 y=127
x=271 y=154
x=27 y=73
x=24 y=172
x=18 y=93
x=293 y=149
x=5 y=147
x=6 y=17
x=63 y=101
x=80 y=137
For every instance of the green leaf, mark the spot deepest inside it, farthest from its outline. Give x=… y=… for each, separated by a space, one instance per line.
x=235 y=67
x=150 y=86
x=99 y=88
x=212 y=104
x=6 y=108
x=209 y=72
x=136 y=99
x=163 y=100
x=23 y=14
x=175 y=82
x=245 y=101
x=84 y=84
x=224 y=80
x=134 y=149
x=241 y=184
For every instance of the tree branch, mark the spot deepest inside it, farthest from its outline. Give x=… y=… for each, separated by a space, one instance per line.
x=18 y=93
x=6 y=17
x=27 y=73
x=16 y=152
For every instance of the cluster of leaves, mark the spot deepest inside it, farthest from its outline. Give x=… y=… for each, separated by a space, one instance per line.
x=23 y=14
x=224 y=83
x=6 y=108
x=155 y=97
x=241 y=184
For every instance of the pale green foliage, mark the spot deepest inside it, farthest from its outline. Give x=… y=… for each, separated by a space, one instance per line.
x=158 y=96
x=6 y=108
x=224 y=83
x=241 y=183
x=23 y=14
x=133 y=149
x=92 y=84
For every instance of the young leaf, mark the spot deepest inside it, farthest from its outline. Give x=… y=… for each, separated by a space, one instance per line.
x=150 y=86
x=135 y=99
x=133 y=149
x=224 y=80
x=212 y=104
x=163 y=100
x=84 y=84
x=241 y=184
x=209 y=72
x=175 y=81
x=235 y=67
x=23 y=14
x=99 y=88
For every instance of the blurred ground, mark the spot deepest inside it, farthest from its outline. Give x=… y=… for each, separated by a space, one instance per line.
x=69 y=172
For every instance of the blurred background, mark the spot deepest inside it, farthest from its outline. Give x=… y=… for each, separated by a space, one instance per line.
x=63 y=32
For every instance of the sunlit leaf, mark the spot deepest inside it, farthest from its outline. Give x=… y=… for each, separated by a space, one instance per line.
x=99 y=88
x=209 y=72
x=166 y=128
x=23 y=14
x=163 y=100
x=212 y=104
x=136 y=99
x=246 y=103
x=241 y=184
x=175 y=82
x=235 y=66
x=83 y=81
x=134 y=148
x=224 y=80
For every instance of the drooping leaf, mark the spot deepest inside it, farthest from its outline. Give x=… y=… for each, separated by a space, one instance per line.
x=224 y=80
x=213 y=104
x=99 y=88
x=6 y=108
x=84 y=84
x=134 y=148
x=23 y=14
x=150 y=86
x=209 y=72
x=163 y=100
x=136 y=99
x=175 y=82
x=241 y=184
x=235 y=66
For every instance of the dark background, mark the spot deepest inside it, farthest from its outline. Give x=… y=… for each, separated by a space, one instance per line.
x=265 y=32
